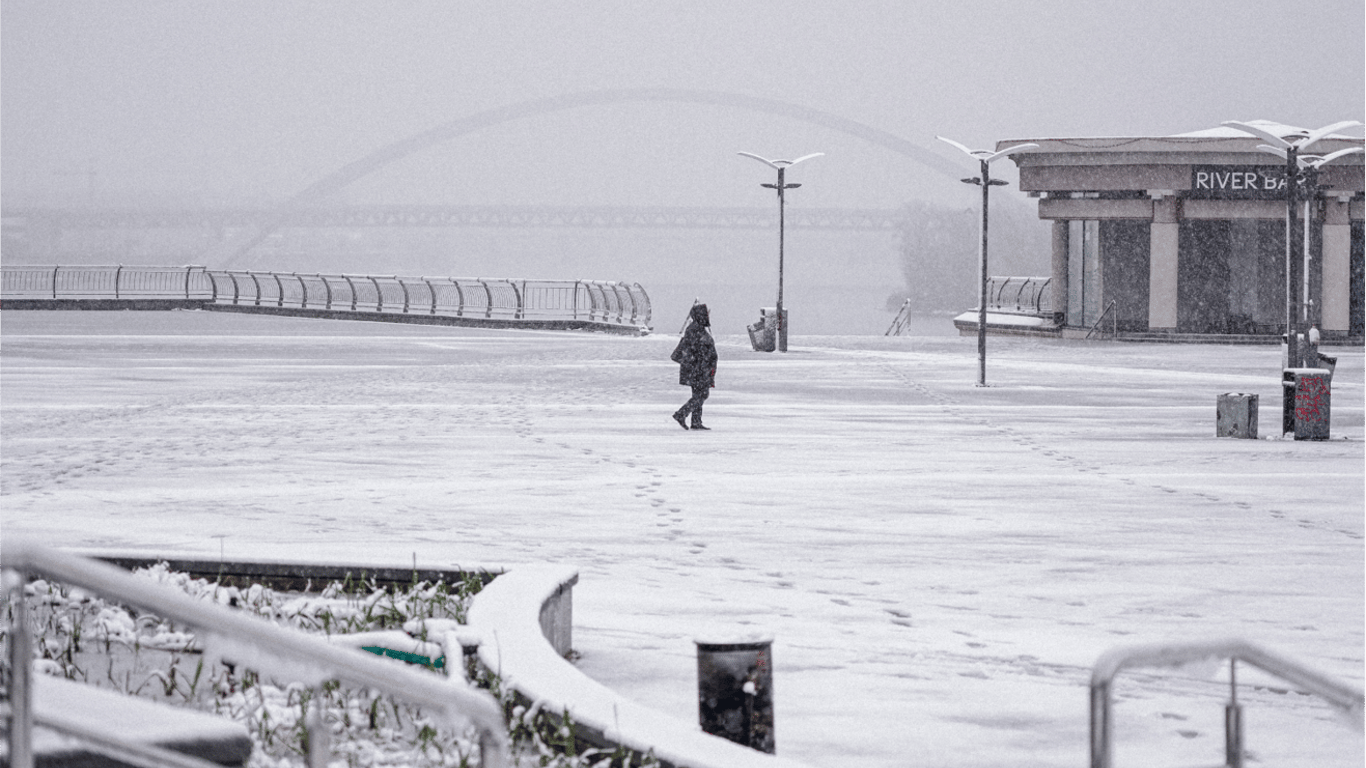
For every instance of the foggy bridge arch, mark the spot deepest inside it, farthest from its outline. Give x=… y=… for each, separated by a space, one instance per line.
x=398 y=150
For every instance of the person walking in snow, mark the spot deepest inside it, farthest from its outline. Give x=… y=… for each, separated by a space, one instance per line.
x=696 y=358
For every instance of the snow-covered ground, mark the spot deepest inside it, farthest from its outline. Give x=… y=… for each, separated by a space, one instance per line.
x=940 y=564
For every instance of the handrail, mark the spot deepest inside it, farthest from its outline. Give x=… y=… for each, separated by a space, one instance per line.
x=1350 y=700
x=1114 y=321
x=312 y=657
x=899 y=322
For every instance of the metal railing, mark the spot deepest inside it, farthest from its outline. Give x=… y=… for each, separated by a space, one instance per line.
x=1027 y=295
x=1114 y=321
x=116 y=281
x=1345 y=698
x=611 y=302
x=594 y=301
x=228 y=630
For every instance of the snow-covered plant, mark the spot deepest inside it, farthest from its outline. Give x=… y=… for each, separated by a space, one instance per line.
x=112 y=646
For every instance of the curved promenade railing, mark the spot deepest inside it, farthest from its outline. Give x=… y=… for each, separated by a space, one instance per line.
x=516 y=300
x=476 y=297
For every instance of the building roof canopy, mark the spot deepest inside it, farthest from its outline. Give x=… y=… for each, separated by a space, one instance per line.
x=1138 y=163
x=1183 y=148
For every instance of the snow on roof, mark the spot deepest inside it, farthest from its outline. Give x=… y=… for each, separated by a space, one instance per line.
x=1218 y=132
x=1229 y=132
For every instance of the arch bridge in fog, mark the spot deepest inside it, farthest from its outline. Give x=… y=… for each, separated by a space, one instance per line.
x=461 y=126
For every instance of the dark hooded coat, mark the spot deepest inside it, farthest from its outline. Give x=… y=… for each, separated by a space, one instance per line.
x=696 y=352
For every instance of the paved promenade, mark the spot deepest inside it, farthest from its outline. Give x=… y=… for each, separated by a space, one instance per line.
x=939 y=563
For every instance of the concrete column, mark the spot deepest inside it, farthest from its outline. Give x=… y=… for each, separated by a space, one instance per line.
x=1162 y=265
x=1337 y=263
x=1059 y=275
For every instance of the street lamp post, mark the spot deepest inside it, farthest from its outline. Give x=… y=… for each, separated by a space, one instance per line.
x=1299 y=168
x=984 y=158
x=781 y=186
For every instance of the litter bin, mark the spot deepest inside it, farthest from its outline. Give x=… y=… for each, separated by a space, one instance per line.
x=1236 y=415
x=1306 y=408
x=735 y=689
x=763 y=335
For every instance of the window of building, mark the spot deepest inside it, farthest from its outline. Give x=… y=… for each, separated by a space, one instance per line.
x=1084 y=289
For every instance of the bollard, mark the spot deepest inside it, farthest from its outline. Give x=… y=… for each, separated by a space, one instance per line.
x=735 y=690
x=1236 y=415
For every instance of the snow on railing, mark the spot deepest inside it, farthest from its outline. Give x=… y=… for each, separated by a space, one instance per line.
x=268 y=647
x=1348 y=700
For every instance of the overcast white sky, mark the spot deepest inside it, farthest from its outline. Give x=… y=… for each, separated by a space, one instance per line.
x=253 y=100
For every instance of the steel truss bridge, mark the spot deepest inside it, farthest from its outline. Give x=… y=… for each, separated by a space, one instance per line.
x=521 y=216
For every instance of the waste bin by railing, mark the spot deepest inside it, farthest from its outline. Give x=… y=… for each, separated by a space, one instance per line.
x=763 y=335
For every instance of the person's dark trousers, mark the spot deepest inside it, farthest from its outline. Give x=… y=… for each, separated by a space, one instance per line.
x=694 y=404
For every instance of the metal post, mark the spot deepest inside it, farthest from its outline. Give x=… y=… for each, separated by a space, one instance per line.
x=1313 y=262
x=352 y=287
x=782 y=326
x=20 y=723
x=379 y=293
x=1100 y=724
x=982 y=296
x=1233 y=721
x=1292 y=247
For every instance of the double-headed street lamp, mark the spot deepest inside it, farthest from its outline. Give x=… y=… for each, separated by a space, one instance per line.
x=1296 y=166
x=984 y=158
x=781 y=165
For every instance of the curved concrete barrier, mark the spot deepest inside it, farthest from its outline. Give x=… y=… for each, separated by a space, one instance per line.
x=524 y=618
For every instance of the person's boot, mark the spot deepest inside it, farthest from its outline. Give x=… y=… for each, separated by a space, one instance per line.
x=678 y=417
x=698 y=425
